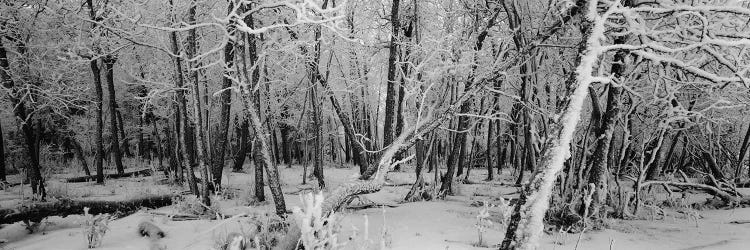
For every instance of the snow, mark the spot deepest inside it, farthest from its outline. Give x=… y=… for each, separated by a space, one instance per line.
x=448 y=224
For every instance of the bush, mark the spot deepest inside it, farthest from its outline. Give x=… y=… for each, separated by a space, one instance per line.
x=95 y=227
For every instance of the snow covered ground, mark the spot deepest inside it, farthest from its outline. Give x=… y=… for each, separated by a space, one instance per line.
x=444 y=224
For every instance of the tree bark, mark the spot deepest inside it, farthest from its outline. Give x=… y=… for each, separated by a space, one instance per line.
x=225 y=100
x=741 y=157
x=124 y=144
x=2 y=155
x=142 y=172
x=262 y=148
x=712 y=165
x=239 y=158
x=186 y=135
x=98 y=100
x=79 y=154
x=318 y=140
x=490 y=138
x=390 y=99
x=598 y=175
x=538 y=191
x=20 y=111
x=260 y=193
x=63 y=208
x=109 y=63
x=199 y=131
x=315 y=76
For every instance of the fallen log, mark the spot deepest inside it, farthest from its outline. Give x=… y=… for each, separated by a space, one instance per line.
x=726 y=196
x=6 y=185
x=65 y=207
x=142 y=172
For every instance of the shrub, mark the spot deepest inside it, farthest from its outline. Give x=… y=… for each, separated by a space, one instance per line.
x=95 y=227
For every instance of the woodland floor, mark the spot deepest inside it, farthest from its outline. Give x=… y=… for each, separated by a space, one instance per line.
x=444 y=224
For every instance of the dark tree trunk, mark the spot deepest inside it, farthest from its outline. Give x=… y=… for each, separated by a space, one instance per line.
x=260 y=194
x=27 y=126
x=79 y=155
x=315 y=77
x=712 y=165
x=239 y=158
x=318 y=140
x=263 y=149
x=217 y=164
x=99 y=100
x=457 y=145
x=400 y=114
x=141 y=145
x=359 y=151
x=159 y=150
x=2 y=154
x=490 y=138
x=390 y=99
x=124 y=145
x=199 y=130
x=186 y=135
x=284 y=131
x=599 y=167
x=741 y=157
x=172 y=151
x=109 y=64
x=33 y=141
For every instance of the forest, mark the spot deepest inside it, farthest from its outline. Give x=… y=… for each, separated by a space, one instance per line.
x=356 y=124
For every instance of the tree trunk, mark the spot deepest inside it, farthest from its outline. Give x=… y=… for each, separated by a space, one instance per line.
x=199 y=130
x=186 y=135
x=598 y=175
x=260 y=193
x=159 y=150
x=172 y=151
x=141 y=146
x=79 y=154
x=20 y=111
x=252 y=111
x=741 y=157
x=315 y=76
x=359 y=150
x=490 y=138
x=98 y=100
x=239 y=158
x=712 y=165
x=390 y=99
x=64 y=207
x=33 y=141
x=225 y=99
x=124 y=144
x=263 y=150
x=2 y=154
x=109 y=63
x=318 y=140
x=538 y=191
x=400 y=111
